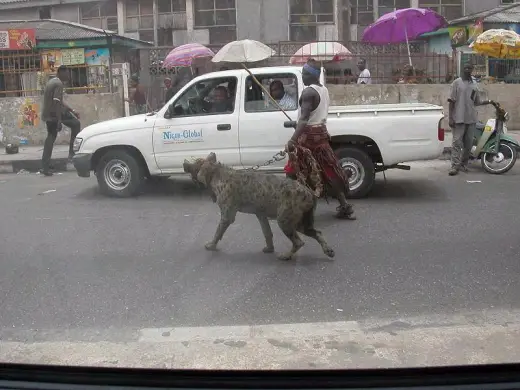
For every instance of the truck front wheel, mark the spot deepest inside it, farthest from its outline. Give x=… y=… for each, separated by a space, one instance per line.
x=360 y=167
x=119 y=174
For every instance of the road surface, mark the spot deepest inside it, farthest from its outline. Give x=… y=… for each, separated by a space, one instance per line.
x=82 y=275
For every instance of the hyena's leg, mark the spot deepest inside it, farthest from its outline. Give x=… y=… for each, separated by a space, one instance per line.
x=307 y=228
x=227 y=217
x=288 y=220
x=268 y=234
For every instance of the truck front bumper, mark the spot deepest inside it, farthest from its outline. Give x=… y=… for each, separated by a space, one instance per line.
x=82 y=164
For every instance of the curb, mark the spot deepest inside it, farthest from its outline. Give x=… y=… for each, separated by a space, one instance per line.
x=33 y=166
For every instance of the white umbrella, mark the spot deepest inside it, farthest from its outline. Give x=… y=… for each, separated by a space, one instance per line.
x=243 y=51
x=247 y=50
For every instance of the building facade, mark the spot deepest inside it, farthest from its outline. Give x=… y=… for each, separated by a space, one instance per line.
x=175 y=22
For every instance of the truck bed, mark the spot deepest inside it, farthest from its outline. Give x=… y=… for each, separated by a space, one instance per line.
x=409 y=131
x=399 y=107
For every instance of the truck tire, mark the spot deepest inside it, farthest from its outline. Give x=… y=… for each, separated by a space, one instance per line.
x=119 y=174
x=362 y=170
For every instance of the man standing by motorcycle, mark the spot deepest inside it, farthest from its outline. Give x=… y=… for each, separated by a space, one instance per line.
x=463 y=100
x=311 y=135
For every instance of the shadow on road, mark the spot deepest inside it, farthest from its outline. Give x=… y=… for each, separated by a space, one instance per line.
x=413 y=190
x=170 y=188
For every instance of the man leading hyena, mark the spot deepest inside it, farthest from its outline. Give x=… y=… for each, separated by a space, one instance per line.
x=267 y=196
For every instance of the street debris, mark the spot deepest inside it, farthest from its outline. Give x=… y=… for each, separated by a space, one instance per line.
x=46 y=192
x=23 y=172
x=473 y=181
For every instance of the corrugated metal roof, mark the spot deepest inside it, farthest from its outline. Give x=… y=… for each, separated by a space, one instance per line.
x=503 y=14
x=13 y=1
x=49 y=29
x=440 y=31
x=60 y=30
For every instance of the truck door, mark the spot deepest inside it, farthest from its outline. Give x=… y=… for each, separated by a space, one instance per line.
x=203 y=119
x=261 y=123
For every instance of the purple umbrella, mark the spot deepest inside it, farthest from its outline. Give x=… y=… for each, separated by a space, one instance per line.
x=403 y=25
x=185 y=54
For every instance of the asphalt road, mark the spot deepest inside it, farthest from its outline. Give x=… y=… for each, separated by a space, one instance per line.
x=79 y=265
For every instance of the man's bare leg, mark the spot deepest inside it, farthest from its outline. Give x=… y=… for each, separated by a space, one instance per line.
x=345 y=209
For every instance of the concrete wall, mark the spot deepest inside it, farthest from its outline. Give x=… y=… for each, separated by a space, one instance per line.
x=508 y=95
x=472 y=6
x=92 y=108
x=20 y=14
x=67 y=12
x=100 y=107
x=263 y=20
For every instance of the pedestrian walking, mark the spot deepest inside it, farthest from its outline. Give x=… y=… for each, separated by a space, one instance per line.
x=312 y=140
x=56 y=113
x=139 y=96
x=463 y=100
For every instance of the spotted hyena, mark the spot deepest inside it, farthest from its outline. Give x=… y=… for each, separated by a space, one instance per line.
x=267 y=196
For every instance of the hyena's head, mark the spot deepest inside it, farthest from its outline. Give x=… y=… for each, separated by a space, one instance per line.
x=202 y=170
x=193 y=167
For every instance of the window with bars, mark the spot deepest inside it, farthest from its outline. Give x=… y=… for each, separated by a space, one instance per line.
x=306 y=15
x=387 y=6
x=450 y=9
x=362 y=12
x=219 y=16
x=139 y=18
x=102 y=14
x=171 y=6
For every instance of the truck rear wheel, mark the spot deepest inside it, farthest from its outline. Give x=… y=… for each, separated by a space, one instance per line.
x=119 y=174
x=360 y=168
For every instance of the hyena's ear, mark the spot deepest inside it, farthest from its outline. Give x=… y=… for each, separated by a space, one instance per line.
x=187 y=166
x=212 y=158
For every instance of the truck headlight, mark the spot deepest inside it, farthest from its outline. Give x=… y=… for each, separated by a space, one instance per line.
x=77 y=144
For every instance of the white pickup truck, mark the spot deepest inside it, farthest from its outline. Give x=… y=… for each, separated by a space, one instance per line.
x=226 y=113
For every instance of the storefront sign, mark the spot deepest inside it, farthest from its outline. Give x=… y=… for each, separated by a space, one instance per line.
x=17 y=39
x=51 y=59
x=96 y=57
x=73 y=56
x=458 y=36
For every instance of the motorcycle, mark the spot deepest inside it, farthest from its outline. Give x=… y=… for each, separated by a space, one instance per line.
x=496 y=149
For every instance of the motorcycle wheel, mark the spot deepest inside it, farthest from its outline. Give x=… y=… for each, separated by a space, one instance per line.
x=506 y=154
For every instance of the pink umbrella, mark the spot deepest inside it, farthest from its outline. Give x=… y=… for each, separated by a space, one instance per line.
x=185 y=54
x=321 y=51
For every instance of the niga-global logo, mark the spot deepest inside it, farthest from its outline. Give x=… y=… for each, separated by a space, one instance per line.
x=182 y=137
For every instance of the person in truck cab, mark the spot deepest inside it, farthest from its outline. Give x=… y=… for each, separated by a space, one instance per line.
x=278 y=93
x=311 y=133
x=221 y=101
